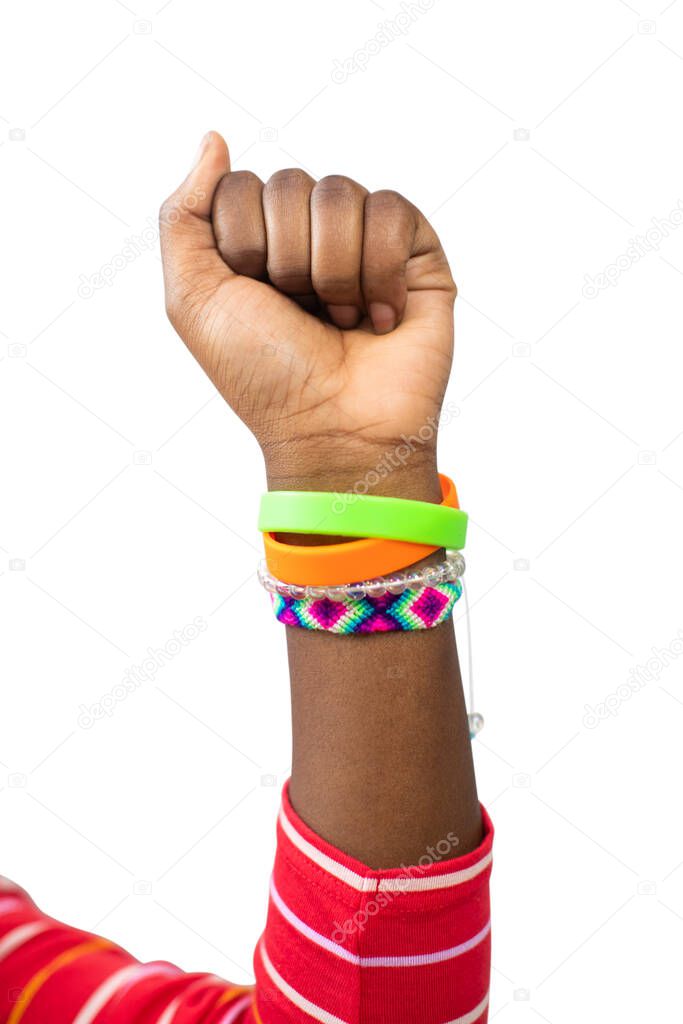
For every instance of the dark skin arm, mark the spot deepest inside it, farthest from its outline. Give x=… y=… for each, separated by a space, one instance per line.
x=323 y=314
x=382 y=760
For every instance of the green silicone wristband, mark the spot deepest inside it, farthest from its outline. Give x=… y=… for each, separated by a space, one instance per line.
x=356 y=515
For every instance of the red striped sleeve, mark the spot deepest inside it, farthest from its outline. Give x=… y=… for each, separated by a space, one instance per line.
x=347 y=944
x=342 y=945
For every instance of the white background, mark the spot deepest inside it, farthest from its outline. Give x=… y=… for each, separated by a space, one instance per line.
x=567 y=450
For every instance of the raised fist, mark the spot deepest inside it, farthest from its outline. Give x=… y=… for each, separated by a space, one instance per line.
x=322 y=313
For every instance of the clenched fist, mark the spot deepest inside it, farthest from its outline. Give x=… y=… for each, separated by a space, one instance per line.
x=322 y=313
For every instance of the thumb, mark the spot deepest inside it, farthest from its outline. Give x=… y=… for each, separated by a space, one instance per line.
x=188 y=246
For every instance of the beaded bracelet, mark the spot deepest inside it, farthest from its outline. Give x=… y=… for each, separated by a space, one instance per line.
x=445 y=572
x=412 y=610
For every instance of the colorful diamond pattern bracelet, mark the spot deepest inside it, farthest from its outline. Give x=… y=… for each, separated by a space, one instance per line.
x=413 y=609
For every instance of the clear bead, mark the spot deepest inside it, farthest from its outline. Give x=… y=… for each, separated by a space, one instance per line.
x=395 y=584
x=355 y=593
x=282 y=589
x=413 y=581
x=376 y=588
x=262 y=573
x=457 y=562
x=476 y=722
x=315 y=592
x=335 y=593
x=431 y=575
x=296 y=591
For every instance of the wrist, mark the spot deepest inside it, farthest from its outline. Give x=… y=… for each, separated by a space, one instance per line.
x=401 y=471
x=356 y=471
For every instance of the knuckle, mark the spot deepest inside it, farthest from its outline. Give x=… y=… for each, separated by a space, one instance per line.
x=387 y=198
x=240 y=180
x=240 y=183
x=288 y=178
x=337 y=187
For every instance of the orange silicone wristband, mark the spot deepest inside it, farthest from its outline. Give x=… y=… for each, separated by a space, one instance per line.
x=329 y=565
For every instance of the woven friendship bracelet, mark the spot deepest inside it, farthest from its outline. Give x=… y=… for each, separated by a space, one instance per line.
x=411 y=610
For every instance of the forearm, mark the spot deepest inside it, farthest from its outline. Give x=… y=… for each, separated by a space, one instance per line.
x=382 y=763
